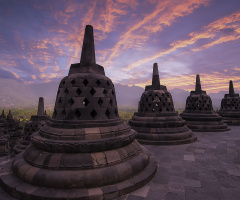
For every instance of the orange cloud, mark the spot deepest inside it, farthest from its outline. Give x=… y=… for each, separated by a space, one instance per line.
x=165 y=14
x=209 y=31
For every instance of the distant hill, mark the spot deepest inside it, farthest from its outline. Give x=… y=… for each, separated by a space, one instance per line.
x=16 y=94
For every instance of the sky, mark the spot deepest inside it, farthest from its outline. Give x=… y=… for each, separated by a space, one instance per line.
x=40 y=39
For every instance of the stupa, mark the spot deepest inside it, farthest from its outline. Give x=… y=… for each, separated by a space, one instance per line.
x=85 y=151
x=35 y=123
x=199 y=112
x=230 y=107
x=156 y=121
x=14 y=130
x=4 y=147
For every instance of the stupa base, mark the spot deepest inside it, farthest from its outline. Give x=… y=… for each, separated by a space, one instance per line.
x=205 y=122
x=21 y=146
x=232 y=122
x=140 y=139
x=21 y=190
x=202 y=128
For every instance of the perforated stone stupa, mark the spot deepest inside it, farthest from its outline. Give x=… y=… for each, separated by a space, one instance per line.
x=4 y=145
x=230 y=107
x=199 y=112
x=156 y=121
x=85 y=151
x=35 y=123
x=14 y=130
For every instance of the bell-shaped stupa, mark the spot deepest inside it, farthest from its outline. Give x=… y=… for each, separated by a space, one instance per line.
x=230 y=107
x=35 y=123
x=14 y=130
x=156 y=121
x=199 y=112
x=85 y=151
x=4 y=146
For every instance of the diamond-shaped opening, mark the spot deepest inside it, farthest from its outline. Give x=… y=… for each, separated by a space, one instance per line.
x=107 y=113
x=156 y=95
x=71 y=102
x=85 y=82
x=100 y=101
x=116 y=112
x=63 y=112
x=73 y=82
x=59 y=100
x=92 y=91
x=77 y=113
x=153 y=109
x=93 y=114
x=111 y=102
x=98 y=82
x=85 y=102
x=113 y=93
x=78 y=91
x=105 y=92
x=66 y=91
x=157 y=104
x=108 y=83
x=146 y=109
x=149 y=105
x=160 y=109
x=167 y=109
x=63 y=82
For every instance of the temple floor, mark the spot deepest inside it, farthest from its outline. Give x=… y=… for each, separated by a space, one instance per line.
x=206 y=169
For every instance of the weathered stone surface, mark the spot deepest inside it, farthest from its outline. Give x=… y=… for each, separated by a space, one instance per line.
x=230 y=107
x=156 y=121
x=199 y=112
x=35 y=123
x=85 y=151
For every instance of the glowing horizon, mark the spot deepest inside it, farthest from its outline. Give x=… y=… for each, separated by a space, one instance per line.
x=39 y=40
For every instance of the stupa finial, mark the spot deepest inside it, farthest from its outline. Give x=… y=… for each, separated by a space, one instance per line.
x=198 y=84
x=231 y=89
x=155 y=76
x=88 y=49
x=87 y=62
x=40 y=106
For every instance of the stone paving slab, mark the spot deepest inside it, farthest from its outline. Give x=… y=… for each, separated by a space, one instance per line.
x=207 y=169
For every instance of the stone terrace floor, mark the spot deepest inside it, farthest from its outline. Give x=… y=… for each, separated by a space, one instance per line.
x=208 y=169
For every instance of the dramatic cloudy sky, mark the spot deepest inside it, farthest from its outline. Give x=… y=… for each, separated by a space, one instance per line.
x=39 y=39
